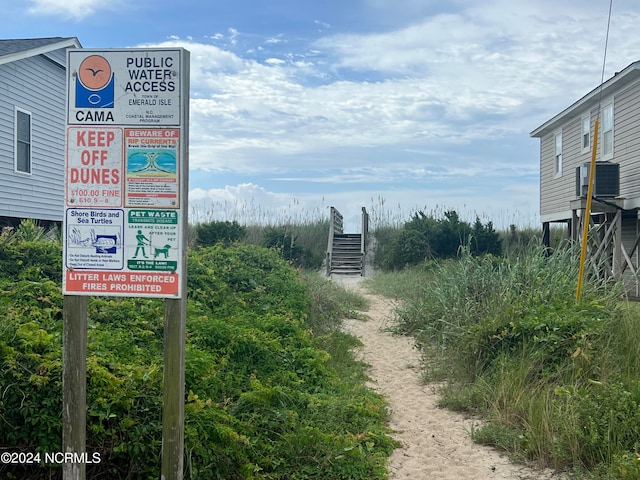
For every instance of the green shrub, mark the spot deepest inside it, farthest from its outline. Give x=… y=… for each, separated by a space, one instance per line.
x=210 y=233
x=329 y=303
x=269 y=395
x=425 y=237
x=283 y=240
x=555 y=331
x=384 y=240
x=33 y=260
x=484 y=239
x=608 y=420
x=245 y=278
x=30 y=375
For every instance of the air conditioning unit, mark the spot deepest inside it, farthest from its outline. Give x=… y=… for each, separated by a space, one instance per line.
x=606 y=183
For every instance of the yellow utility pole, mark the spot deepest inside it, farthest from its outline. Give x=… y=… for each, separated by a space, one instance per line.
x=587 y=210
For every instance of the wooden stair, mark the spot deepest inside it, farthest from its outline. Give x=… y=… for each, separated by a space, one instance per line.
x=346 y=251
x=346 y=258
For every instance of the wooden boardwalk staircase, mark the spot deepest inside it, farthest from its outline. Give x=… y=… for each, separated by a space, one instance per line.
x=346 y=251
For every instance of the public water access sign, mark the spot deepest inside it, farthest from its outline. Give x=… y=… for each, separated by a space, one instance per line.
x=125 y=87
x=126 y=172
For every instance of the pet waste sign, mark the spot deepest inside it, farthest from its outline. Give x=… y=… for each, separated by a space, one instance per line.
x=126 y=173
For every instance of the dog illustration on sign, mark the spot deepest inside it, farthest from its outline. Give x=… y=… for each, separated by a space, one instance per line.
x=161 y=251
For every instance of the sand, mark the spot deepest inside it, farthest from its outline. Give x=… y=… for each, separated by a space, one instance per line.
x=435 y=442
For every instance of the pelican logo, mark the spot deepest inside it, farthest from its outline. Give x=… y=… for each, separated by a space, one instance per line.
x=94 y=83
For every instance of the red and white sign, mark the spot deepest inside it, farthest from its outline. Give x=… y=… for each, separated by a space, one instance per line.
x=126 y=172
x=131 y=284
x=94 y=167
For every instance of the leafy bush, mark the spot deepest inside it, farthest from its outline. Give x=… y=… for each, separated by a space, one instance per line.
x=484 y=239
x=608 y=415
x=31 y=259
x=426 y=237
x=384 y=239
x=30 y=374
x=286 y=243
x=210 y=233
x=266 y=398
x=245 y=278
x=555 y=331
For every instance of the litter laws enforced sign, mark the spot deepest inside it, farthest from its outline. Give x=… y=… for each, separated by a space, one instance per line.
x=126 y=170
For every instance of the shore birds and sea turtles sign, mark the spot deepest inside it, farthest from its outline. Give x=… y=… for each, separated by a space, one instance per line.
x=125 y=198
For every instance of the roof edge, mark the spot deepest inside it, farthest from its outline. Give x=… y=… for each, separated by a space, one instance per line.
x=623 y=77
x=65 y=42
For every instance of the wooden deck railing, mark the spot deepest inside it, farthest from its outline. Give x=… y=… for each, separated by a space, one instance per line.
x=364 y=229
x=335 y=227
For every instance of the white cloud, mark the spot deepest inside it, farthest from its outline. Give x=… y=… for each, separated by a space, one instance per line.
x=490 y=73
x=322 y=25
x=274 y=61
x=497 y=53
x=233 y=35
x=274 y=40
x=75 y=9
x=449 y=98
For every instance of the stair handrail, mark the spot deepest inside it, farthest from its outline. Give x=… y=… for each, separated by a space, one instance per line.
x=363 y=237
x=335 y=227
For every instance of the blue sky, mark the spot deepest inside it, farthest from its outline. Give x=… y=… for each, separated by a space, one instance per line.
x=396 y=105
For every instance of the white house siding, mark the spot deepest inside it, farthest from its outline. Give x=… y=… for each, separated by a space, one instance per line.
x=37 y=85
x=59 y=56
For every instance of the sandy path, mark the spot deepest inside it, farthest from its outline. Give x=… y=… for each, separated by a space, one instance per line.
x=435 y=442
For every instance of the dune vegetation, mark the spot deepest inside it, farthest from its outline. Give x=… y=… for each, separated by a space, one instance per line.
x=273 y=389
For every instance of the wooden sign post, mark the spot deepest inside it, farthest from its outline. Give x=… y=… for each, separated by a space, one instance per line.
x=175 y=321
x=125 y=220
x=74 y=383
x=173 y=395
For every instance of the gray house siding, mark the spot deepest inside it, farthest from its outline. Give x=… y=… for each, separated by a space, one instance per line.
x=556 y=192
x=36 y=85
x=59 y=56
x=549 y=186
x=626 y=143
x=558 y=199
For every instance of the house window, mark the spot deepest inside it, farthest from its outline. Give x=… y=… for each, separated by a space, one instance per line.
x=607 y=131
x=586 y=135
x=557 y=161
x=23 y=141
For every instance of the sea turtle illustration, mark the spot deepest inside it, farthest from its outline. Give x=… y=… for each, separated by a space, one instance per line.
x=105 y=244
